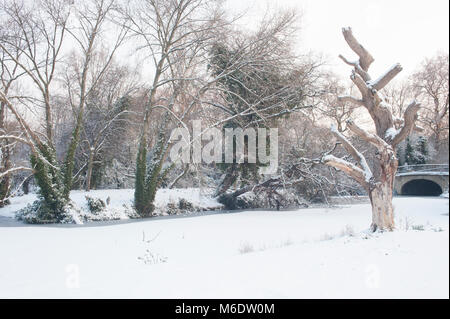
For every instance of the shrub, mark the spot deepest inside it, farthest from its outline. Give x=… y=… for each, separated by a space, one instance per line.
x=95 y=205
x=40 y=213
x=183 y=204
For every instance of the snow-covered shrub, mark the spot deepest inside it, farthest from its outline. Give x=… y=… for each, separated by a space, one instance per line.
x=172 y=209
x=95 y=205
x=39 y=213
x=185 y=205
x=263 y=199
x=180 y=207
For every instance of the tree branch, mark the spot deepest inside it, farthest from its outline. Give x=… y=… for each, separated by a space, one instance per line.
x=360 y=84
x=359 y=158
x=357 y=67
x=350 y=99
x=348 y=168
x=365 y=58
x=409 y=119
x=383 y=80
x=373 y=139
x=15 y=169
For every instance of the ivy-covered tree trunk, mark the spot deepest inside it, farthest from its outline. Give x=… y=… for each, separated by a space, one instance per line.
x=50 y=181
x=51 y=206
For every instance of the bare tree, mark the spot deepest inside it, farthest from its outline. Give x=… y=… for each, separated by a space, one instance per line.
x=87 y=70
x=339 y=111
x=377 y=181
x=108 y=118
x=398 y=95
x=173 y=34
x=37 y=32
x=430 y=84
x=9 y=75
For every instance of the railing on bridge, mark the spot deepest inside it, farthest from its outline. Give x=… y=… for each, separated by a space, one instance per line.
x=423 y=168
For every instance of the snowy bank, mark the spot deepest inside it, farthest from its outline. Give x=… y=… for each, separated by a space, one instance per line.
x=119 y=203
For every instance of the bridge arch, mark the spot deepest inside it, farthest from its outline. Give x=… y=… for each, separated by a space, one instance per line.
x=422 y=180
x=421 y=187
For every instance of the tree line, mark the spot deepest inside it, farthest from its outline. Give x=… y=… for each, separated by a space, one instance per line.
x=91 y=90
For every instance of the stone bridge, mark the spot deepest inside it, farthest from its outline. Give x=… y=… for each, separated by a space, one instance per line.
x=423 y=180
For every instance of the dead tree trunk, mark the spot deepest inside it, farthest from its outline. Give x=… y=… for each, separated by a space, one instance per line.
x=378 y=180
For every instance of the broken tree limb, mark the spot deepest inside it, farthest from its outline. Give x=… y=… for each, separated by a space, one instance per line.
x=409 y=119
x=384 y=80
x=357 y=67
x=348 y=168
x=365 y=58
x=357 y=156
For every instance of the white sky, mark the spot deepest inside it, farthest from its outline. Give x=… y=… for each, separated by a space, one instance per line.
x=404 y=31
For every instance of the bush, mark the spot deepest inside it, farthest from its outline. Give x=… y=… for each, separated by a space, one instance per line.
x=185 y=205
x=40 y=213
x=95 y=205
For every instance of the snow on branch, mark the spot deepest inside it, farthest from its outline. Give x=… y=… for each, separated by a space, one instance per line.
x=387 y=77
x=16 y=138
x=409 y=119
x=365 y=58
x=15 y=169
x=348 y=168
x=359 y=158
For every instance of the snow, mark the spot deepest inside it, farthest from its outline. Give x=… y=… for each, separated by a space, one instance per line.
x=121 y=201
x=420 y=173
x=366 y=171
x=378 y=80
x=362 y=160
x=391 y=133
x=309 y=253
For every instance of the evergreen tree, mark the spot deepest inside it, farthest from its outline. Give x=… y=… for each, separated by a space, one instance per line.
x=409 y=152
x=400 y=157
x=421 y=148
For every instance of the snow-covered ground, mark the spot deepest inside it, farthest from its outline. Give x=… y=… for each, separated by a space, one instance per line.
x=121 y=201
x=308 y=253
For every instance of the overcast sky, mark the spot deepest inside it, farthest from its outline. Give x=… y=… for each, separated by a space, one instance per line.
x=394 y=31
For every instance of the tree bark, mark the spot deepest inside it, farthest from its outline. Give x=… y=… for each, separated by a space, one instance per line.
x=382 y=209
